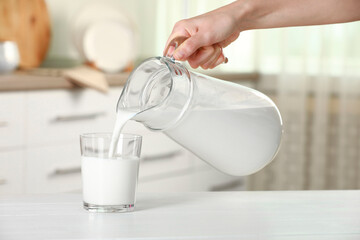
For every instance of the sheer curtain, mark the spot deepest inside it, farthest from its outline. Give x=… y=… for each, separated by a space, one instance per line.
x=316 y=74
x=313 y=74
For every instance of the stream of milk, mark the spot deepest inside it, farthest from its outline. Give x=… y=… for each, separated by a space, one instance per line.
x=121 y=118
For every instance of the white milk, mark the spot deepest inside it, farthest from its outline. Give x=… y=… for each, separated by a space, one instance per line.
x=121 y=118
x=109 y=181
x=235 y=141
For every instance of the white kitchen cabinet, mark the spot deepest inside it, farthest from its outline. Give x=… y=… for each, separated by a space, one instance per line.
x=208 y=178
x=40 y=147
x=11 y=120
x=160 y=155
x=11 y=172
x=191 y=180
x=55 y=120
x=57 y=116
x=174 y=182
x=53 y=169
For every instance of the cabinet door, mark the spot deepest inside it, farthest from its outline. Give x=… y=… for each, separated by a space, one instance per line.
x=191 y=180
x=174 y=182
x=11 y=120
x=58 y=116
x=208 y=178
x=161 y=157
x=11 y=172
x=53 y=169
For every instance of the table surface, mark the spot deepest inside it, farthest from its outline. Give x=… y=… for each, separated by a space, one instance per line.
x=315 y=215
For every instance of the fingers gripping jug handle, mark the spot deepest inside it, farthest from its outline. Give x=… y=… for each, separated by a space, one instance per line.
x=177 y=41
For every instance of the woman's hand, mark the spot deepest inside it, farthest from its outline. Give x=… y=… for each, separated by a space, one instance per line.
x=205 y=36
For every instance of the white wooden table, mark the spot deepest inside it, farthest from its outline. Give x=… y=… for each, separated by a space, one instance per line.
x=315 y=215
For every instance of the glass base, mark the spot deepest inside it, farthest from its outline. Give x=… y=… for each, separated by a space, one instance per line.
x=108 y=208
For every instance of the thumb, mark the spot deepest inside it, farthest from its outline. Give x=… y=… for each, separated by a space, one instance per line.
x=189 y=46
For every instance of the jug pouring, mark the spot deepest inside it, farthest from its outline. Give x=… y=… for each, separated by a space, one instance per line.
x=234 y=128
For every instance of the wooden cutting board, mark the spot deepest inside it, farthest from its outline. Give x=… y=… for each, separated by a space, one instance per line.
x=27 y=23
x=87 y=77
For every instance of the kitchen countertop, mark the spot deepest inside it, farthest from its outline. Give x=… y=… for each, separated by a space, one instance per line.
x=52 y=78
x=39 y=79
x=316 y=215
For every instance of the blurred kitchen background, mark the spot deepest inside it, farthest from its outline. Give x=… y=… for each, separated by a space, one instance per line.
x=312 y=73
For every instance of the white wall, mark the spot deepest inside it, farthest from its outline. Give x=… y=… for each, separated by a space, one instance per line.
x=63 y=12
x=154 y=20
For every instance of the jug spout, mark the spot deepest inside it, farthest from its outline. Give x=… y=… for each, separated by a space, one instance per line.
x=159 y=90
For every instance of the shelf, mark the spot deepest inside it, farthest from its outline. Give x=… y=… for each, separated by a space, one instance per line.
x=40 y=79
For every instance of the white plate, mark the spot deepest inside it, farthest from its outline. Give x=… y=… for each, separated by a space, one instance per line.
x=87 y=23
x=109 y=44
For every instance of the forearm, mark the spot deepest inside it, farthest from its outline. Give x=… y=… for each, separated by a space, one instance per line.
x=260 y=14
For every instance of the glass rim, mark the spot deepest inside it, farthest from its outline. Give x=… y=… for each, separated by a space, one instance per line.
x=109 y=135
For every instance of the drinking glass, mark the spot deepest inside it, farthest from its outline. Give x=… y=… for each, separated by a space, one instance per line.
x=109 y=183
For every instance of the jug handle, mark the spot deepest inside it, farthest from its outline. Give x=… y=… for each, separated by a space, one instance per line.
x=177 y=41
